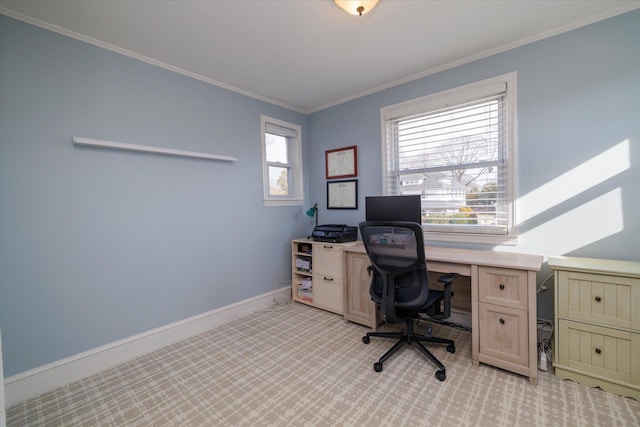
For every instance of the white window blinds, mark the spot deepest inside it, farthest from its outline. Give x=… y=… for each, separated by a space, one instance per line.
x=455 y=155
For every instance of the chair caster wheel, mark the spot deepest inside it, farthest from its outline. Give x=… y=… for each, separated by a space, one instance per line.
x=451 y=348
x=377 y=367
x=365 y=339
x=441 y=375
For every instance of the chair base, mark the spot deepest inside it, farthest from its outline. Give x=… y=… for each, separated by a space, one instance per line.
x=409 y=337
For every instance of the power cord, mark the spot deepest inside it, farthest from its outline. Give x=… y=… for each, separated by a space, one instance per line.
x=443 y=323
x=545 y=333
x=543 y=286
x=281 y=298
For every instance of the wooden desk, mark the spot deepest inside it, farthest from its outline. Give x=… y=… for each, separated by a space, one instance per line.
x=503 y=301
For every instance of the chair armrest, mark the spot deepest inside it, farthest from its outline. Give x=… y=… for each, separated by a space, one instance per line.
x=447 y=280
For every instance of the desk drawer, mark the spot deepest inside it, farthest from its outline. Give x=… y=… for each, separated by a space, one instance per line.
x=604 y=299
x=328 y=293
x=327 y=259
x=504 y=336
x=449 y=267
x=604 y=352
x=503 y=286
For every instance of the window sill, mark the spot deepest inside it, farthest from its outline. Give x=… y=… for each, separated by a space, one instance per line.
x=281 y=202
x=471 y=238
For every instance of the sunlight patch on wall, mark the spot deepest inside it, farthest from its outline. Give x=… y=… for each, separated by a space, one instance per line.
x=579 y=179
x=592 y=221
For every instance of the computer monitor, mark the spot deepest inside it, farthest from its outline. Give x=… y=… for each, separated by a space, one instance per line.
x=394 y=208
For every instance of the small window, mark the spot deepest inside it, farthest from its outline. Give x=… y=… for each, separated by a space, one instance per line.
x=282 y=162
x=455 y=149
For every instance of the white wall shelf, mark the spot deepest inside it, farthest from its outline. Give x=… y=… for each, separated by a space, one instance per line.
x=149 y=149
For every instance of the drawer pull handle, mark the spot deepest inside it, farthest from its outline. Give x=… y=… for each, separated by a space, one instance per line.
x=328 y=279
x=501 y=287
x=598 y=350
x=598 y=299
x=327 y=246
x=501 y=321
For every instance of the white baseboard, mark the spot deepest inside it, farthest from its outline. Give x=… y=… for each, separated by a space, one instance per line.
x=3 y=418
x=37 y=381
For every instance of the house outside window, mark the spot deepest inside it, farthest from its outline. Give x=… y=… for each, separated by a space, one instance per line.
x=281 y=162
x=456 y=149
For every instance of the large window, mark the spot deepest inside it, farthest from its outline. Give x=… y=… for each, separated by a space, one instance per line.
x=282 y=162
x=456 y=149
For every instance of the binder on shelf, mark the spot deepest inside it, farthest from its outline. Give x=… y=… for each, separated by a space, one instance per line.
x=305 y=295
x=305 y=283
x=303 y=263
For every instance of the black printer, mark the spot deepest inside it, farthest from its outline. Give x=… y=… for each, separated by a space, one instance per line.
x=334 y=233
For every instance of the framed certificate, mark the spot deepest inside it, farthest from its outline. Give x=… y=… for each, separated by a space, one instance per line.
x=341 y=162
x=342 y=194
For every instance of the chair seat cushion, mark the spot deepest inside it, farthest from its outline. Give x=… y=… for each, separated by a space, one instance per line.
x=409 y=294
x=434 y=297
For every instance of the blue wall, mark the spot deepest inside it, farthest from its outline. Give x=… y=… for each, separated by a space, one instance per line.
x=578 y=154
x=98 y=245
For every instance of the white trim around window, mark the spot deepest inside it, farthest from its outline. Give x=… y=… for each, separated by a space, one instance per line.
x=281 y=162
x=421 y=140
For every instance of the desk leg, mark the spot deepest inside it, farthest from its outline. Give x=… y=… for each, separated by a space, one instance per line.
x=533 y=327
x=475 y=313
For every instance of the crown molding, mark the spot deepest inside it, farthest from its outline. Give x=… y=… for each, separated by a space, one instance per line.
x=550 y=33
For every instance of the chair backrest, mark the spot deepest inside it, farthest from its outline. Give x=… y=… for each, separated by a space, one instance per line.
x=400 y=280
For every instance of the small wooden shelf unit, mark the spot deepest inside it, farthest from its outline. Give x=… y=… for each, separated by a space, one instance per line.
x=317 y=274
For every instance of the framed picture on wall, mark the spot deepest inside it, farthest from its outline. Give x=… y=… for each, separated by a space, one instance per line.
x=342 y=194
x=341 y=162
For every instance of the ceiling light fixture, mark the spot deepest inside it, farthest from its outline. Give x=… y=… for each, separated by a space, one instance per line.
x=356 y=7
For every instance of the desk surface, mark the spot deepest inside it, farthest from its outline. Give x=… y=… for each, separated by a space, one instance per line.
x=590 y=265
x=522 y=261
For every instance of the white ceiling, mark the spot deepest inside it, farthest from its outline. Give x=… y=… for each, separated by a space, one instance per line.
x=309 y=54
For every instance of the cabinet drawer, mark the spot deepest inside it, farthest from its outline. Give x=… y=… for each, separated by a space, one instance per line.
x=504 y=334
x=503 y=287
x=327 y=260
x=604 y=299
x=328 y=293
x=608 y=353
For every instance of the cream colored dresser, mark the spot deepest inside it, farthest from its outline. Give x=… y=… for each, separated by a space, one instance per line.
x=597 y=318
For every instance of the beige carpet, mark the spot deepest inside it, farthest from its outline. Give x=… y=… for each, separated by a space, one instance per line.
x=299 y=366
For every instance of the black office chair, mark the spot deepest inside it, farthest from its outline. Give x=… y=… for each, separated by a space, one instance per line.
x=400 y=286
